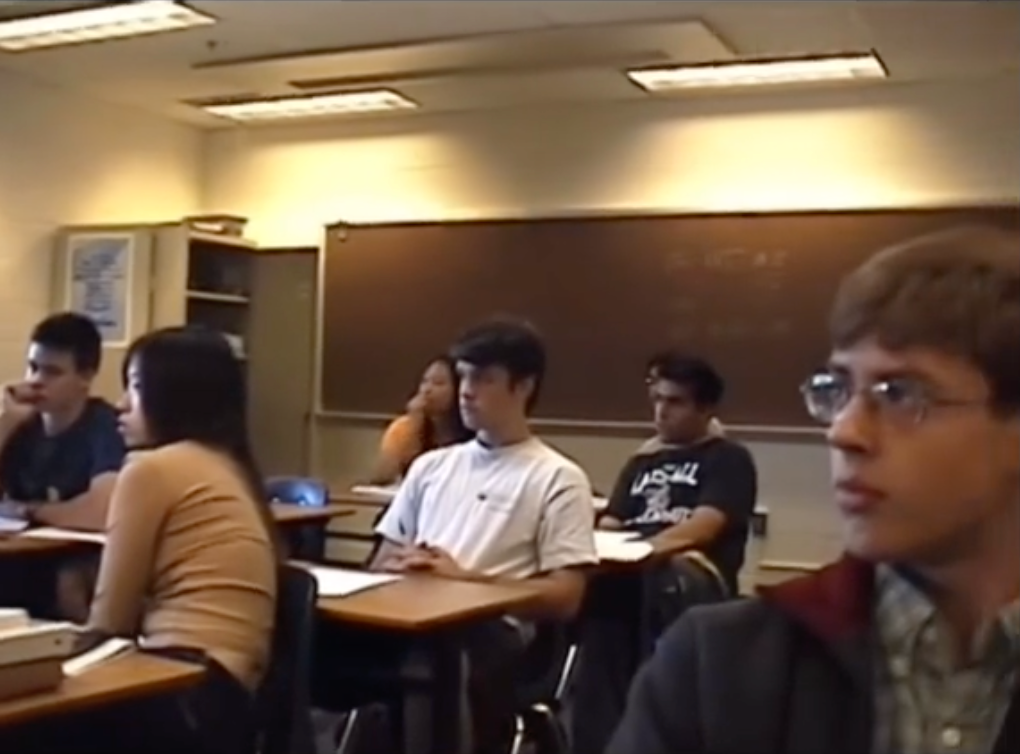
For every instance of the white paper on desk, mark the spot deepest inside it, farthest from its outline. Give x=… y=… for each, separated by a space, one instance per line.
x=106 y=651
x=621 y=546
x=600 y=503
x=613 y=538
x=66 y=535
x=343 y=582
x=374 y=490
x=12 y=525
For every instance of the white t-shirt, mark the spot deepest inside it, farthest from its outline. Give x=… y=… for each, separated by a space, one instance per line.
x=511 y=512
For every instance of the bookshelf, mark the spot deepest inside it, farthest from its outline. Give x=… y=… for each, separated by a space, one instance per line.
x=204 y=279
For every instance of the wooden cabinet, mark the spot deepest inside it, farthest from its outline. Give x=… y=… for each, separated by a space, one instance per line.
x=203 y=279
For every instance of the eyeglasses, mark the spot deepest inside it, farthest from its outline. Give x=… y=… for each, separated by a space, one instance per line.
x=901 y=399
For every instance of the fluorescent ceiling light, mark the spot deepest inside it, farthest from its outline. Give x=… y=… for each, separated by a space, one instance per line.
x=97 y=24
x=337 y=103
x=760 y=72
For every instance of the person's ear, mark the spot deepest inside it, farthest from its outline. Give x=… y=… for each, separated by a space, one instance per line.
x=525 y=387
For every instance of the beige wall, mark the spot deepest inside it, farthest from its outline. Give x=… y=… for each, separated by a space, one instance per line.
x=68 y=159
x=921 y=145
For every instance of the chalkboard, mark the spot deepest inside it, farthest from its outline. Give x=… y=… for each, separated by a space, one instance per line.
x=748 y=292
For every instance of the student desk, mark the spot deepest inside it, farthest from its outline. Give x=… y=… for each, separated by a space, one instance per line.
x=286 y=514
x=117 y=680
x=430 y=612
x=350 y=497
x=14 y=546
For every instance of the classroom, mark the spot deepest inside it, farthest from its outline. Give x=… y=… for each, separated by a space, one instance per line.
x=533 y=176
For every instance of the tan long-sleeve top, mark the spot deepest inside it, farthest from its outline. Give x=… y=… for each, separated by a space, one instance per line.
x=188 y=561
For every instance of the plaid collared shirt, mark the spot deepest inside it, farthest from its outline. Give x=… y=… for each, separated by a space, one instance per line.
x=926 y=701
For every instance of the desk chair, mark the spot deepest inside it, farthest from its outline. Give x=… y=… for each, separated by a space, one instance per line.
x=622 y=633
x=686 y=580
x=284 y=709
x=547 y=670
x=308 y=541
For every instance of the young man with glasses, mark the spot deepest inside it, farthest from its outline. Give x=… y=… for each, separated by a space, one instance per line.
x=910 y=643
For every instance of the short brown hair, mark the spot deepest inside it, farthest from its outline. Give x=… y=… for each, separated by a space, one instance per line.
x=955 y=291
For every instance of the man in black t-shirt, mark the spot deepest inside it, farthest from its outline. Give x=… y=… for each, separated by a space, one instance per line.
x=689 y=483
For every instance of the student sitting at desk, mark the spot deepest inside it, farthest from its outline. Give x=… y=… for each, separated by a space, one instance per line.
x=432 y=420
x=502 y=507
x=59 y=448
x=688 y=486
x=189 y=566
x=689 y=483
x=910 y=642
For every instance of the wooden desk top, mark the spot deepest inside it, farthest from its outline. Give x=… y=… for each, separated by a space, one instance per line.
x=346 y=498
x=120 y=679
x=297 y=514
x=421 y=603
x=14 y=545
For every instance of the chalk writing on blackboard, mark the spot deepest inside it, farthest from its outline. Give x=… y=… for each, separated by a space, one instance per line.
x=99 y=283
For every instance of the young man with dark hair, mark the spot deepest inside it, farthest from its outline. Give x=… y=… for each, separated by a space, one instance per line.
x=688 y=486
x=501 y=507
x=653 y=368
x=688 y=483
x=60 y=449
x=910 y=643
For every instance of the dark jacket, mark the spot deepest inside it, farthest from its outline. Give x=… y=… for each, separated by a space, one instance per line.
x=790 y=673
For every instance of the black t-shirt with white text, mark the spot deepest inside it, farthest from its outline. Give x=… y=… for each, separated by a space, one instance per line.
x=662 y=486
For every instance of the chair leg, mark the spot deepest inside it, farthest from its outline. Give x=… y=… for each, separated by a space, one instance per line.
x=519 y=733
x=348 y=732
x=566 y=674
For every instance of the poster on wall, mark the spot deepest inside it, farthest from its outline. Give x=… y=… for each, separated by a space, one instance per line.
x=99 y=283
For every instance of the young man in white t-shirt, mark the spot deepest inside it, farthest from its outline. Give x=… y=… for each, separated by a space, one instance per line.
x=501 y=507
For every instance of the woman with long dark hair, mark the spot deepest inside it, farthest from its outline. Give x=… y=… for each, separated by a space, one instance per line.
x=189 y=567
x=432 y=420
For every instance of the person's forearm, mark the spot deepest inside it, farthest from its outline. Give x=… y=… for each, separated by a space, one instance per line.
x=81 y=513
x=686 y=534
x=87 y=512
x=609 y=522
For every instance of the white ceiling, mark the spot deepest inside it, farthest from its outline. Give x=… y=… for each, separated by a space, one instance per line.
x=469 y=54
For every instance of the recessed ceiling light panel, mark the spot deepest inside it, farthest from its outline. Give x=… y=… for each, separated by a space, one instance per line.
x=98 y=24
x=316 y=105
x=750 y=73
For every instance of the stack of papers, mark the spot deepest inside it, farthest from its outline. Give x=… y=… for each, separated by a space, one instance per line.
x=621 y=546
x=12 y=525
x=65 y=535
x=343 y=582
